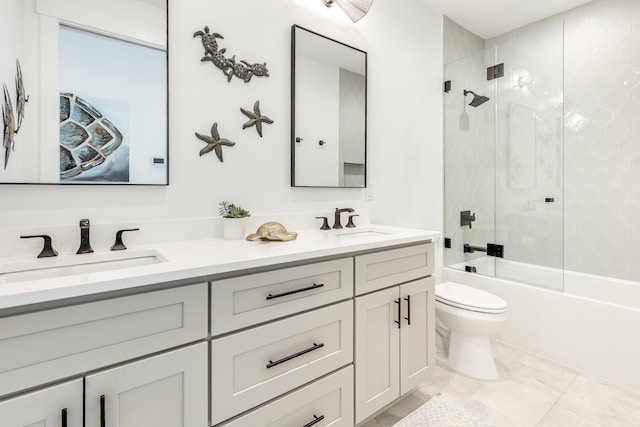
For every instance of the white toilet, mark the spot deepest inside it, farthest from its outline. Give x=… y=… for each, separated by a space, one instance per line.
x=465 y=319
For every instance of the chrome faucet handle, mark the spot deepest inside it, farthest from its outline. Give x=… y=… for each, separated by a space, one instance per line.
x=47 y=250
x=350 y=223
x=118 y=245
x=325 y=223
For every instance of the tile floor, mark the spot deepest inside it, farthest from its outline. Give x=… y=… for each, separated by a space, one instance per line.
x=530 y=391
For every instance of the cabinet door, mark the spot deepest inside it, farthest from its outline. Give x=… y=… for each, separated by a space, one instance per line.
x=56 y=406
x=169 y=390
x=417 y=339
x=377 y=351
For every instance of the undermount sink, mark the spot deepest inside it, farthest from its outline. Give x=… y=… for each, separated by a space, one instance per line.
x=70 y=265
x=362 y=234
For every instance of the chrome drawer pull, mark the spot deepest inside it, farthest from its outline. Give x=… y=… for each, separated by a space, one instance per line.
x=315 y=421
x=293 y=356
x=64 y=417
x=284 y=294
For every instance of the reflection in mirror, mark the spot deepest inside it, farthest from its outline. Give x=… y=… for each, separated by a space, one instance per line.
x=95 y=78
x=328 y=109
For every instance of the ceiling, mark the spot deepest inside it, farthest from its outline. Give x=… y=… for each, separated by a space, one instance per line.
x=490 y=18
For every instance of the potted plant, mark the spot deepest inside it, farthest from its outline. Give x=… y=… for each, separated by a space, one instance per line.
x=233 y=222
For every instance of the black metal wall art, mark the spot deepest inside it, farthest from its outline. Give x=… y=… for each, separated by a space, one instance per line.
x=242 y=69
x=255 y=118
x=12 y=122
x=214 y=142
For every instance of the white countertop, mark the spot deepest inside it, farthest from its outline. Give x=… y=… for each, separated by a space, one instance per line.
x=201 y=258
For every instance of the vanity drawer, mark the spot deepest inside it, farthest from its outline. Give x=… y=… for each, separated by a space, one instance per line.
x=329 y=399
x=253 y=366
x=45 y=346
x=256 y=298
x=387 y=268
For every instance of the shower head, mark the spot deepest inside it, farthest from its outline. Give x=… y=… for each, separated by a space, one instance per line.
x=477 y=99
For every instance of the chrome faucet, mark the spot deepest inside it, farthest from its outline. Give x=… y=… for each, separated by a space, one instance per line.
x=336 y=220
x=85 y=246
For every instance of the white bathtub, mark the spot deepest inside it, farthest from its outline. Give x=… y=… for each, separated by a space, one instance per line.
x=593 y=325
x=603 y=289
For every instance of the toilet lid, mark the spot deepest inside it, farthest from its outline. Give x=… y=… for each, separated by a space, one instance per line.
x=469 y=298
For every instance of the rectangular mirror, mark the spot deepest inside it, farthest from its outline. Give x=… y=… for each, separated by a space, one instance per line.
x=328 y=112
x=86 y=92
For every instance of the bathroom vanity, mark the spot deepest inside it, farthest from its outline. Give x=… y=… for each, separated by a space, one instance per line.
x=230 y=333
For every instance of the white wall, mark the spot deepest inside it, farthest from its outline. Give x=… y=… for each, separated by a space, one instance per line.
x=403 y=39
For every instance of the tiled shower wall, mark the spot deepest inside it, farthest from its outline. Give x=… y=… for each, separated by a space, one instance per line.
x=602 y=139
x=601 y=167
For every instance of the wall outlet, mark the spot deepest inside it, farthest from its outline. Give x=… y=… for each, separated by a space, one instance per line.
x=369 y=196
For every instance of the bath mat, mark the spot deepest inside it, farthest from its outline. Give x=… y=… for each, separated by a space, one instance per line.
x=441 y=412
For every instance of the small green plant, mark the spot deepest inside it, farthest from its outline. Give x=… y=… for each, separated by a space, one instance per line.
x=229 y=210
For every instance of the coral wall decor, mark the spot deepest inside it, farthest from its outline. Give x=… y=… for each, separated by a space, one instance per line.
x=229 y=66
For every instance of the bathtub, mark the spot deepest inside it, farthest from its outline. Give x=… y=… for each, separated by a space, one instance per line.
x=589 y=322
x=600 y=288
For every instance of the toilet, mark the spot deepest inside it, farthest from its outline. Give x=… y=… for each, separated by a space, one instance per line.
x=465 y=319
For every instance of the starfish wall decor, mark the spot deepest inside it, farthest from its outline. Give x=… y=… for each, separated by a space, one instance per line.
x=214 y=142
x=255 y=118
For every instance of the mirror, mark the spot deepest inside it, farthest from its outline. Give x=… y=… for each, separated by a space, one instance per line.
x=328 y=112
x=86 y=92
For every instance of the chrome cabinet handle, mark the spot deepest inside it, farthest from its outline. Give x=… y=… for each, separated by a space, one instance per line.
x=316 y=420
x=284 y=294
x=102 y=412
x=408 y=318
x=399 y=315
x=293 y=356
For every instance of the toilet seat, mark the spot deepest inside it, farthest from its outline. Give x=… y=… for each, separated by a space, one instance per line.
x=468 y=298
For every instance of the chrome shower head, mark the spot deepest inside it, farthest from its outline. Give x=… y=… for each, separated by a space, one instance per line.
x=477 y=99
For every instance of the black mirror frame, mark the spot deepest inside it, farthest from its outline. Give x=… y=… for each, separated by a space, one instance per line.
x=293 y=105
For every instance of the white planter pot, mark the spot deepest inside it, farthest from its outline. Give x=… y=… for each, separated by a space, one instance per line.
x=233 y=228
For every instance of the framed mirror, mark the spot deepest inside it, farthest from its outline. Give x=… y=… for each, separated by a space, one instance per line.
x=328 y=112
x=86 y=92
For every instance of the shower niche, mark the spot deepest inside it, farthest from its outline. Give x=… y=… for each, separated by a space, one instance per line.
x=503 y=148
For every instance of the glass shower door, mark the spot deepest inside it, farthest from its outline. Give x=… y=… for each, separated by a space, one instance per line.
x=469 y=164
x=503 y=159
x=529 y=148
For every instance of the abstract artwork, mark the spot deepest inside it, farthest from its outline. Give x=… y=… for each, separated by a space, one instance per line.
x=91 y=146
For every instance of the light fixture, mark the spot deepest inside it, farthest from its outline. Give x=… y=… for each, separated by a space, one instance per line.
x=355 y=9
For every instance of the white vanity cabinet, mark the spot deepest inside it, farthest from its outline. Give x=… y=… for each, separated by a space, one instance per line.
x=310 y=342
x=394 y=327
x=47 y=346
x=277 y=354
x=59 y=405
